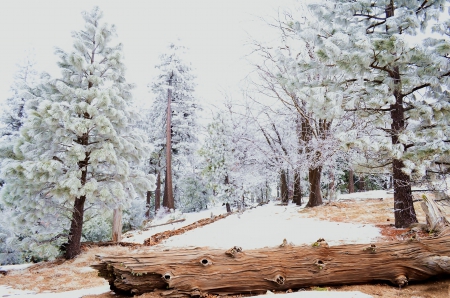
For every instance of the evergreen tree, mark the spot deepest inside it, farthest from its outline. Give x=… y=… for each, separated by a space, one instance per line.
x=398 y=85
x=77 y=148
x=176 y=107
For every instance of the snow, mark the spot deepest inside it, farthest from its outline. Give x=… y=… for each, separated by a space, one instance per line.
x=268 y=226
x=15 y=267
x=263 y=226
x=8 y=292
x=373 y=194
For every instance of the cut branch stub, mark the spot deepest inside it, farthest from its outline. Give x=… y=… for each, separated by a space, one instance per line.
x=233 y=251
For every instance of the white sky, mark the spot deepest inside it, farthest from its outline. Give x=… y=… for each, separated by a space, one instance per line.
x=214 y=30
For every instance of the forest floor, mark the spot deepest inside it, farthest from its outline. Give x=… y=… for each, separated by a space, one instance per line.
x=44 y=279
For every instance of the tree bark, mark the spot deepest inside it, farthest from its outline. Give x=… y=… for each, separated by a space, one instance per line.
x=297 y=189
x=351 y=183
x=73 y=247
x=404 y=211
x=168 y=200
x=202 y=271
x=284 y=187
x=158 y=191
x=117 y=225
x=315 y=195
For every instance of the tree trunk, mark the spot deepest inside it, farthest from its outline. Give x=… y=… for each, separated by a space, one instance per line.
x=227 y=205
x=351 y=183
x=315 y=196
x=404 y=211
x=73 y=247
x=284 y=187
x=149 y=197
x=117 y=225
x=158 y=191
x=168 y=200
x=202 y=271
x=297 y=189
x=361 y=183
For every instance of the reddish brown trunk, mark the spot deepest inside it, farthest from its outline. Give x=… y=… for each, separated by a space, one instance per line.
x=351 y=182
x=283 y=187
x=73 y=247
x=315 y=195
x=403 y=202
x=297 y=189
x=168 y=200
x=158 y=192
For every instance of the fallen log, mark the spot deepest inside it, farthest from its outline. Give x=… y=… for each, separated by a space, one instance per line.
x=200 y=271
x=159 y=237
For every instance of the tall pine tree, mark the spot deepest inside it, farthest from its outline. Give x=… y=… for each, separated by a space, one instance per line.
x=176 y=106
x=76 y=148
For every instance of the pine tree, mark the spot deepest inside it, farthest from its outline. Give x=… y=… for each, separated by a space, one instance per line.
x=77 y=149
x=176 y=106
x=400 y=86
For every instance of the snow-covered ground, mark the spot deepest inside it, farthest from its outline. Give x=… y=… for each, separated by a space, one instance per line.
x=9 y=292
x=267 y=225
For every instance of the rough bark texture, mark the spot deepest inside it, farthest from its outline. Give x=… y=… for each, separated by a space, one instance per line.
x=117 y=225
x=194 y=272
x=315 y=195
x=168 y=200
x=404 y=211
x=73 y=247
x=158 y=192
x=297 y=189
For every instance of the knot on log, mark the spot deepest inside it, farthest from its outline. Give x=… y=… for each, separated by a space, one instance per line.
x=232 y=251
x=167 y=277
x=320 y=264
x=279 y=279
x=205 y=262
x=401 y=280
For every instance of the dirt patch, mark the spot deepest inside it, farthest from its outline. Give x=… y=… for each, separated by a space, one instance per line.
x=61 y=275
x=368 y=211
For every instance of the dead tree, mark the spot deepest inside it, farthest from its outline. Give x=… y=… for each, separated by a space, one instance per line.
x=199 y=271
